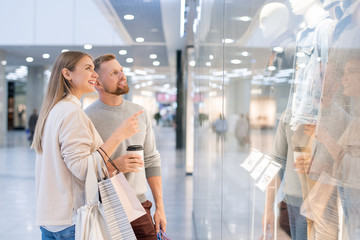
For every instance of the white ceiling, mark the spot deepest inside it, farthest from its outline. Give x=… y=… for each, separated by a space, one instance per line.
x=32 y=27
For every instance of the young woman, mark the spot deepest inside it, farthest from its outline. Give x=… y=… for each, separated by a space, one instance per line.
x=64 y=140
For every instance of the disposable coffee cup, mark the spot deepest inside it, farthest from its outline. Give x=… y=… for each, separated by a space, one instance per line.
x=137 y=149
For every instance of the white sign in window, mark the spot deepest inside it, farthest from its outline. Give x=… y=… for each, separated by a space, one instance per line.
x=255 y=174
x=252 y=160
x=269 y=174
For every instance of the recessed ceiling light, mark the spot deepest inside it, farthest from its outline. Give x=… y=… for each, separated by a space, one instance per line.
x=243 y=18
x=122 y=52
x=156 y=63
x=245 y=54
x=211 y=56
x=235 y=61
x=46 y=55
x=153 y=56
x=192 y=63
x=129 y=17
x=88 y=46
x=129 y=60
x=29 y=59
x=139 y=39
x=271 y=68
x=208 y=64
x=64 y=50
x=3 y=62
x=228 y=40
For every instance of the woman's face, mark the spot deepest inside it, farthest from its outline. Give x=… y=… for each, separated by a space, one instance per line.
x=83 y=78
x=351 y=78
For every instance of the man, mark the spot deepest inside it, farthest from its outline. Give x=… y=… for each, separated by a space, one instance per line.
x=106 y=113
x=283 y=154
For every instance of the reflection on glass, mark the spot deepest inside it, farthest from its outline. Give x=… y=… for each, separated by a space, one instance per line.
x=287 y=85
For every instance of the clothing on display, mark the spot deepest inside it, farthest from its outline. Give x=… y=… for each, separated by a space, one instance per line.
x=311 y=56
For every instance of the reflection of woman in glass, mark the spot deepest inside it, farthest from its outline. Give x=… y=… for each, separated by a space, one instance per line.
x=346 y=150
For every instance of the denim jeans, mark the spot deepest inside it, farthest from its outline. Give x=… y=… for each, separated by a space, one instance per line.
x=298 y=225
x=66 y=234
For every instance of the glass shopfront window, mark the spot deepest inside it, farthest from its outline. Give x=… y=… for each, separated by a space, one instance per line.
x=276 y=112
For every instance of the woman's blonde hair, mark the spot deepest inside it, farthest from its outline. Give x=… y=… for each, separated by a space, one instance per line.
x=57 y=89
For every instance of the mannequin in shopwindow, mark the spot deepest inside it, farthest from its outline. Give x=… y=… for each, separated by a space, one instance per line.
x=311 y=56
x=274 y=18
x=334 y=8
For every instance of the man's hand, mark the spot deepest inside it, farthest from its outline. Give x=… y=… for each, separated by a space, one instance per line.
x=127 y=163
x=160 y=219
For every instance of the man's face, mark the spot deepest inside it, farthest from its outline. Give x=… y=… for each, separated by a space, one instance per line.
x=112 y=78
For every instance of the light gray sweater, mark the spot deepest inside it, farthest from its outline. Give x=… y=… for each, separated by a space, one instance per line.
x=107 y=118
x=283 y=154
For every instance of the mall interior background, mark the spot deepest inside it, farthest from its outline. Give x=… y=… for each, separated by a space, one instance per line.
x=220 y=69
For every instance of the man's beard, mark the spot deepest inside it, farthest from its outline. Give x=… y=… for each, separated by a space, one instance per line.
x=119 y=90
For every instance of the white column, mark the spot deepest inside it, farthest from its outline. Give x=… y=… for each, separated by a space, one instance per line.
x=34 y=89
x=238 y=96
x=3 y=101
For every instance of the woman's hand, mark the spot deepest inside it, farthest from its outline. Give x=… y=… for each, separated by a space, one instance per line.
x=309 y=129
x=302 y=162
x=129 y=163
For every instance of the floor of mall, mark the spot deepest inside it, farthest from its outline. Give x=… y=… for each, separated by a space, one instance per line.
x=17 y=182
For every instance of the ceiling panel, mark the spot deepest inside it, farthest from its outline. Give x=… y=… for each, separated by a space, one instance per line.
x=147 y=22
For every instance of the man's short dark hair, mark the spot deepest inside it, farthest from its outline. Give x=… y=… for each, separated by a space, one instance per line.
x=103 y=58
